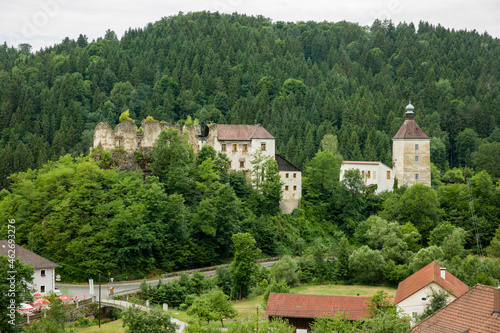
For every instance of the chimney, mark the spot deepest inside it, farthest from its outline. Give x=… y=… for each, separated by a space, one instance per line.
x=443 y=273
x=496 y=303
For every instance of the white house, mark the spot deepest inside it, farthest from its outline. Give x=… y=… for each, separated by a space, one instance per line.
x=239 y=143
x=373 y=173
x=413 y=293
x=44 y=276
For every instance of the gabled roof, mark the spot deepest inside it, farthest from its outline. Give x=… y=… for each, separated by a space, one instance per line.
x=314 y=306
x=426 y=275
x=473 y=312
x=26 y=256
x=284 y=164
x=241 y=132
x=410 y=130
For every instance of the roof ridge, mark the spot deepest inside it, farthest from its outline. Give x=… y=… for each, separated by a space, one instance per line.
x=254 y=130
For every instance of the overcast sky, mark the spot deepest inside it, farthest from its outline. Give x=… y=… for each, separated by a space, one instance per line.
x=47 y=22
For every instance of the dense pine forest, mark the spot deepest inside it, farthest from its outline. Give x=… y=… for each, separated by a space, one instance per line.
x=326 y=91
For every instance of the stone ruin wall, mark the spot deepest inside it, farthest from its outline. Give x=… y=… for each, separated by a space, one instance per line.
x=125 y=135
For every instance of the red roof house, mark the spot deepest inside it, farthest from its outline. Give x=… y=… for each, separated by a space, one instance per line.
x=413 y=293
x=476 y=311
x=302 y=310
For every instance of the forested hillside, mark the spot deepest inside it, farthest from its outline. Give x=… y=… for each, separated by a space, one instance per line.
x=300 y=80
x=326 y=91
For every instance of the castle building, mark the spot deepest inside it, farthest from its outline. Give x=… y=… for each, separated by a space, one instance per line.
x=411 y=159
x=373 y=173
x=411 y=153
x=238 y=142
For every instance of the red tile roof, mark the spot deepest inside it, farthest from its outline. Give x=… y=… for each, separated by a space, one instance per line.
x=241 y=132
x=410 y=130
x=26 y=256
x=472 y=313
x=314 y=306
x=426 y=275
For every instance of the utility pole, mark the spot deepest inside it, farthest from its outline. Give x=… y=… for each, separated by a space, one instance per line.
x=257 y=319
x=99 y=300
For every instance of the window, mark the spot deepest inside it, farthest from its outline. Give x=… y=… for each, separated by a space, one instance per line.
x=286 y=187
x=416 y=158
x=374 y=174
x=118 y=143
x=235 y=147
x=245 y=147
x=416 y=146
x=424 y=299
x=368 y=174
x=388 y=175
x=242 y=164
x=416 y=176
x=414 y=314
x=363 y=174
x=263 y=146
x=223 y=147
x=286 y=175
x=42 y=289
x=42 y=272
x=295 y=187
x=294 y=175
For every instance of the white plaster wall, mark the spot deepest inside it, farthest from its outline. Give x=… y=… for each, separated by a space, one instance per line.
x=291 y=198
x=414 y=302
x=378 y=175
x=239 y=154
x=405 y=166
x=48 y=280
x=270 y=146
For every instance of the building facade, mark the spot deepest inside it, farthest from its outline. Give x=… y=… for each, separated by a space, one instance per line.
x=373 y=173
x=411 y=153
x=44 y=276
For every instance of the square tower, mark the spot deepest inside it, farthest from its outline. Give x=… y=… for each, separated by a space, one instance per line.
x=411 y=153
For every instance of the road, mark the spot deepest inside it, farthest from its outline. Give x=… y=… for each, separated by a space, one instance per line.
x=80 y=291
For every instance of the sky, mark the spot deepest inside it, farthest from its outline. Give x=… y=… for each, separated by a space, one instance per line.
x=43 y=23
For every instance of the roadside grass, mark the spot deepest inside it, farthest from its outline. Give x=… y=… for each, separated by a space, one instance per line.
x=110 y=327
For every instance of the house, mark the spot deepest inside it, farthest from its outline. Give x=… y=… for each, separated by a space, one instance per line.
x=411 y=152
x=413 y=293
x=411 y=159
x=373 y=173
x=476 y=311
x=302 y=310
x=291 y=176
x=44 y=276
x=239 y=143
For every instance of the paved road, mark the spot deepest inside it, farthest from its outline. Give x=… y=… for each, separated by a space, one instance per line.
x=83 y=290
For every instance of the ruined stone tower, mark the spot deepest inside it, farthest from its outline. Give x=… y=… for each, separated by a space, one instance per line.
x=411 y=158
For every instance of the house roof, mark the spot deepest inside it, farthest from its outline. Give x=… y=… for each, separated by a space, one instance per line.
x=314 y=306
x=241 y=132
x=473 y=312
x=410 y=130
x=426 y=275
x=26 y=256
x=361 y=162
x=284 y=164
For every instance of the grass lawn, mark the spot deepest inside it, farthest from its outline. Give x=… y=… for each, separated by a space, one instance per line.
x=111 y=327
